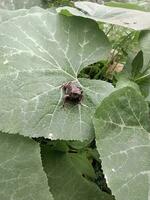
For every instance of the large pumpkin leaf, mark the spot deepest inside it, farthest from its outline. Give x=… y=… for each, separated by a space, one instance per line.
x=39 y=52
x=137 y=20
x=18 y=4
x=9 y=15
x=121 y=123
x=66 y=180
x=21 y=172
x=6 y=14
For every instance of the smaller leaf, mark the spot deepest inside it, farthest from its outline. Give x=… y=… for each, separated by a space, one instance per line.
x=66 y=174
x=144 y=85
x=133 y=6
x=82 y=164
x=137 y=64
x=134 y=19
x=144 y=41
x=78 y=145
x=126 y=82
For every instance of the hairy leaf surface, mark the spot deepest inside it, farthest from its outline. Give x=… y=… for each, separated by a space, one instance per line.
x=21 y=172
x=137 y=20
x=123 y=141
x=9 y=14
x=40 y=51
x=18 y=4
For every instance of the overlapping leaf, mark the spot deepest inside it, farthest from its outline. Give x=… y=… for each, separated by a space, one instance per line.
x=18 y=4
x=133 y=19
x=66 y=180
x=123 y=141
x=39 y=51
x=144 y=79
x=21 y=171
x=130 y=5
x=144 y=41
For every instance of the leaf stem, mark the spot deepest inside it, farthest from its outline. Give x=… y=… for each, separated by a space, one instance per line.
x=142 y=77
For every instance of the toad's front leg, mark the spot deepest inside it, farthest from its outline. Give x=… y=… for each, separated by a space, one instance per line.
x=66 y=96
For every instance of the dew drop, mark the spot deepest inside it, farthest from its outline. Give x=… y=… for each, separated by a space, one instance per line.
x=50 y=136
x=5 y=62
x=113 y=170
x=106 y=178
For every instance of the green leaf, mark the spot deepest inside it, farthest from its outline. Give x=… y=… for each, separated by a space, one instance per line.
x=130 y=57
x=144 y=41
x=137 y=20
x=144 y=79
x=21 y=172
x=124 y=81
x=39 y=52
x=18 y=4
x=78 y=145
x=65 y=176
x=9 y=15
x=82 y=164
x=121 y=123
x=133 y=6
x=144 y=85
x=137 y=64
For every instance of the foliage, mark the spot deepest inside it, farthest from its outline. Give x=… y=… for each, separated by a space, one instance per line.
x=57 y=3
x=17 y=4
x=122 y=124
x=96 y=149
x=133 y=19
x=129 y=5
x=21 y=170
x=39 y=104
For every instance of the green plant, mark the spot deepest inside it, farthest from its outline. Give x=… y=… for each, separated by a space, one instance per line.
x=56 y=3
x=96 y=149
